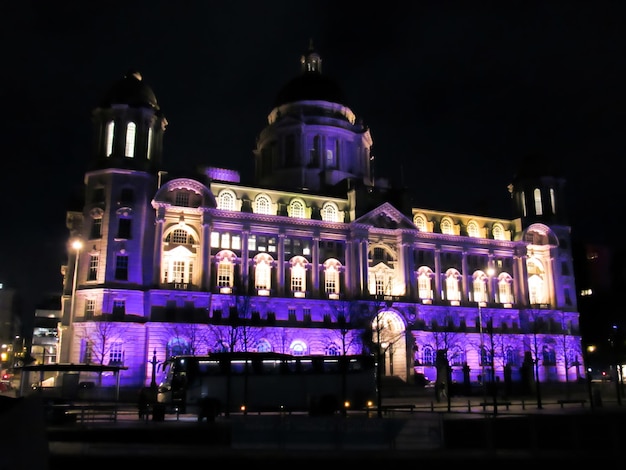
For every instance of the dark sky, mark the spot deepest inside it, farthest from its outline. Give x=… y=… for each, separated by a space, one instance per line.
x=455 y=94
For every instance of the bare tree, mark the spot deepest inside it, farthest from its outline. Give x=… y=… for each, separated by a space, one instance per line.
x=345 y=321
x=444 y=336
x=192 y=335
x=103 y=342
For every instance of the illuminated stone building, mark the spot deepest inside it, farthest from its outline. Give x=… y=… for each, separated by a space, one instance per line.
x=315 y=256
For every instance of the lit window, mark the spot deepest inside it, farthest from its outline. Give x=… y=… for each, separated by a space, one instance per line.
x=182 y=199
x=131 y=129
x=224 y=274
x=420 y=223
x=226 y=201
x=330 y=212
x=472 y=229
x=149 y=151
x=447 y=227
x=109 y=138
x=263 y=205
x=296 y=209
x=263 y=271
x=116 y=353
x=90 y=309
x=498 y=232
x=94 y=260
x=538 y=206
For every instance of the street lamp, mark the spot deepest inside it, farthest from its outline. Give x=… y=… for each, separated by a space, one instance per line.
x=77 y=245
x=481 y=301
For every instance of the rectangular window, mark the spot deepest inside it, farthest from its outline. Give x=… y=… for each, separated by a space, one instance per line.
x=182 y=199
x=215 y=240
x=123 y=230
x=90 y=309
x=121 y=268
x=119 y=308
x=96 y=228
x=131 y=130
x=86 y=351
x=252 y=243
x=116 y=354
x=225 y=240
x=224 y=271
x=94 y=260
x=178 y=269
x=236 y=242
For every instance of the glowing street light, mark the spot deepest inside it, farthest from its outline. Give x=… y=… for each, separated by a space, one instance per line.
x=77 y=245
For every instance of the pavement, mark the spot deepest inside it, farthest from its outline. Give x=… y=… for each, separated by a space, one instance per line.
x=412 y=429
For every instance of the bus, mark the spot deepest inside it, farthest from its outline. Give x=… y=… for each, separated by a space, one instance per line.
x=228 y=382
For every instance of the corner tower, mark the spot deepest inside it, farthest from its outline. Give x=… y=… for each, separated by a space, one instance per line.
x=128 y=127
x=111 y=273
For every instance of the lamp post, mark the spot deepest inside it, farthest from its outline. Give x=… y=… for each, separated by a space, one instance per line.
x=154 y=363
x=77 y=245
x=537 y=380
x=482 y=350
x=618 y=378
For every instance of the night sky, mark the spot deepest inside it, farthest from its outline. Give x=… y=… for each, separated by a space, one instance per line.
x=455 y=94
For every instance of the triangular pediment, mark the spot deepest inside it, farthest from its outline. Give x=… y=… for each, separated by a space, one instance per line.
x=387 y=217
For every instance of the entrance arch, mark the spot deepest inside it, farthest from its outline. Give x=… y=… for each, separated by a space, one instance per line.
x=389 y=334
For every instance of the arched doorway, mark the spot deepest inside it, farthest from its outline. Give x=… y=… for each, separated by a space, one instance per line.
x=388 y=333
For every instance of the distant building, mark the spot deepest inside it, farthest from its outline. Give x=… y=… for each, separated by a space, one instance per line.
x=314 y=256
x=45 y=337
x=10 y=326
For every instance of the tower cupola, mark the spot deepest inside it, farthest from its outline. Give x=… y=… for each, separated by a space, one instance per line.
x=129 y=126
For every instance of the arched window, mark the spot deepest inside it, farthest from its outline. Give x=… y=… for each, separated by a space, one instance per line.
x=298 y=348
x=330 y=213
x=262 y=205
x=225 y=270
x=457 y=356
x=453 y=289
x=332 y=350
x=109 y=138
x=149 y=149
x=420 y=222
x=263 y=271
x=226 y=201
x=536 y=285
x=511 y=356
x=263 y=346
x=180 y=237
x=428 y=356
x=479 y=285
x=498 y=232
x=298 y=275
x=537 y=197
x=424 y=283
x=296 y=209
x=331 y=277
x=473 y=230
x=485 y=356
x=505 y=289
x=447 y=227
x=177 y=347
x=131 y=129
